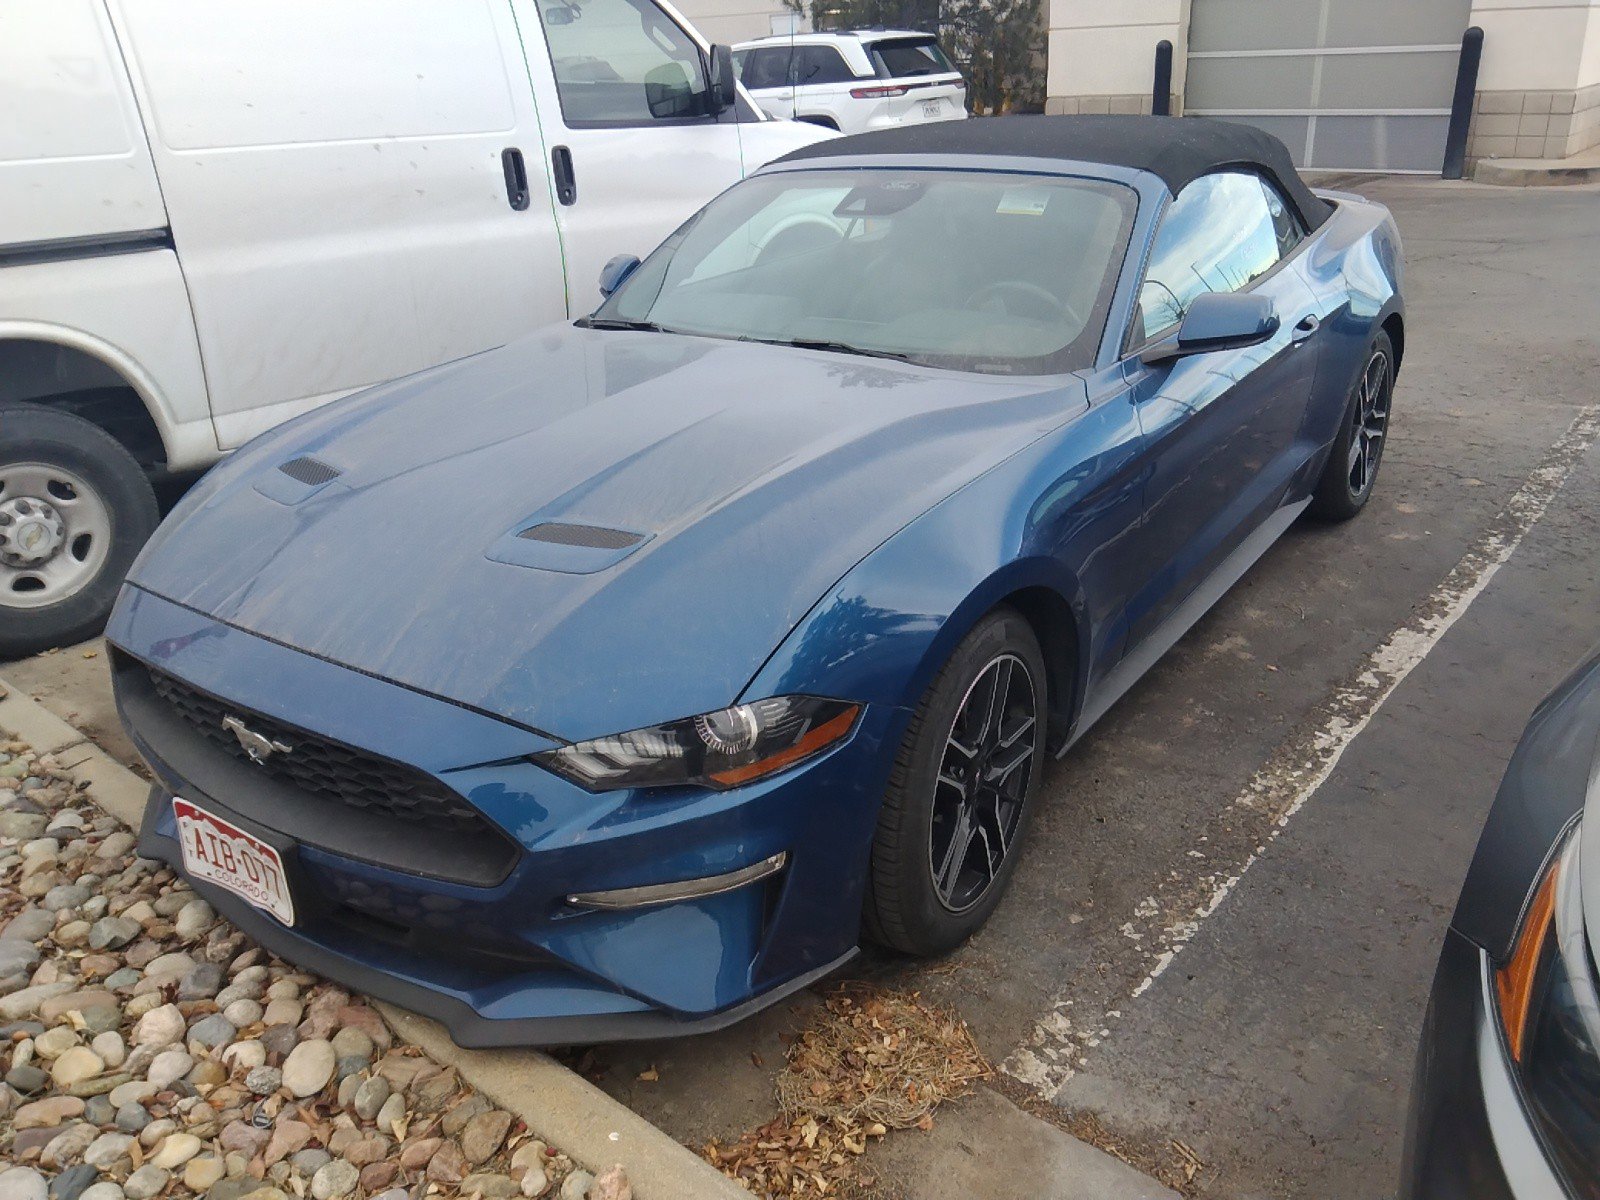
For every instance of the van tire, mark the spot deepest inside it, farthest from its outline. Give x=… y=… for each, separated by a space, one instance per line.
x=118 y=517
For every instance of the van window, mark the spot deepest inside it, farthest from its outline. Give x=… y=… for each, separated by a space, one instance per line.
x=820 y=64
x=900 y=58
x=622 y=62
x=764 y=67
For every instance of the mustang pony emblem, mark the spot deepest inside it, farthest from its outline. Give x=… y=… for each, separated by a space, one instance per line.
x=258 y=746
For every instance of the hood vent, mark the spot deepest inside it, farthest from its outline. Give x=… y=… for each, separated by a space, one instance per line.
x=312 y=472
x=590 y=537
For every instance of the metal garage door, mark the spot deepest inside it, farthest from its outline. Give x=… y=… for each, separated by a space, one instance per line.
x=1347 y=84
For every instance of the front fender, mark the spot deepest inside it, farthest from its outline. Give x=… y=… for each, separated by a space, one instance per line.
x=1040 y=521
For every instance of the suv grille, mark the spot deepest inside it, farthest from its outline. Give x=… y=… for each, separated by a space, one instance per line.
x=325 y=768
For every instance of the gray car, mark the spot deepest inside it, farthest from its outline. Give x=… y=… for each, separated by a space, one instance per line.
x=1506 y=1101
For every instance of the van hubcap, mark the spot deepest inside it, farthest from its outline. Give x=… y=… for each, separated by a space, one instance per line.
x=54 y=534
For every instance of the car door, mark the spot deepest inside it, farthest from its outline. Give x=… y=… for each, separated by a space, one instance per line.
x=1219 y=428
x=336 y=178
x=822 y=83
x=623 y=100
x=766 y=72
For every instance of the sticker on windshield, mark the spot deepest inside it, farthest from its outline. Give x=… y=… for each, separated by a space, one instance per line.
x=1023 y=202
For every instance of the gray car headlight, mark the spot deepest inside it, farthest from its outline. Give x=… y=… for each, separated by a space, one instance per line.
x=721 y=749
x=1549 y=1009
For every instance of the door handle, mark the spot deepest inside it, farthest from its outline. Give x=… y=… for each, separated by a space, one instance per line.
x=516 y=172
x=566 y=182
x=1308 y=325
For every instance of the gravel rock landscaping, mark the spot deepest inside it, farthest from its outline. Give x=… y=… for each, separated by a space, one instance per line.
x=148 y=1049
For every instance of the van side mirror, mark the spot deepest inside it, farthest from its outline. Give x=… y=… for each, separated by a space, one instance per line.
x=615 y=271
x=722 y=79
x=1217 y=321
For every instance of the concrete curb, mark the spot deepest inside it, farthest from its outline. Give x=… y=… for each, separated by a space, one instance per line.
x=574 y=1114
x=1533 y=173
x=577 y=1117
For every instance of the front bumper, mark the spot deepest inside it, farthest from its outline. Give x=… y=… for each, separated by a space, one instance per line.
x=1468 y=1133
x=501 y=957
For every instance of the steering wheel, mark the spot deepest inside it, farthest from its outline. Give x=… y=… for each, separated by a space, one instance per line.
x=1000 y=288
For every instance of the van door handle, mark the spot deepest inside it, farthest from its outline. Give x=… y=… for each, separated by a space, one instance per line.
x=566 y=182
x=1308 y=325
x=516 y=172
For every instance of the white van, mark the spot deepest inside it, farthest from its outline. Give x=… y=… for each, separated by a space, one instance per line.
x=214 y=216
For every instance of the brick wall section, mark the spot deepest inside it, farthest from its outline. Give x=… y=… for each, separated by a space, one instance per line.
x=1135 y=103
x=1534 y=124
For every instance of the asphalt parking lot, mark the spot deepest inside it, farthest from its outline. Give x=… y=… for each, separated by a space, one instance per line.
x=1223 y=931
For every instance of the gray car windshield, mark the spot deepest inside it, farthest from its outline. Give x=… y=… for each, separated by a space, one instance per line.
x=969 y=270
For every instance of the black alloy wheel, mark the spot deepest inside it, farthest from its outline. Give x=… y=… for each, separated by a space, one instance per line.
x=1351 y=471
x=982 y=783
x=956 y=811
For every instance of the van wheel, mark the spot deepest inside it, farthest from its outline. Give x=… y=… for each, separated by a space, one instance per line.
x=74 y=510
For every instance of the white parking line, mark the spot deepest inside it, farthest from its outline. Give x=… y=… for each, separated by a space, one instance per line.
x=1164 y=923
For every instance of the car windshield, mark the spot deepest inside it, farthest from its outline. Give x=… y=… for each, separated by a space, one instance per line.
x=969 y=270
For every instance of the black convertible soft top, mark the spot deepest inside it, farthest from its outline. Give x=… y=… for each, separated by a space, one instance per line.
x=1177 y=149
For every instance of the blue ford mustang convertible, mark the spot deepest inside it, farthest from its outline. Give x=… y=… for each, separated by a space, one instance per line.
x=617 y=682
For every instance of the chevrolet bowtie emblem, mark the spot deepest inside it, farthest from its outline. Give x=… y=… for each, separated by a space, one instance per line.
x=258 y=746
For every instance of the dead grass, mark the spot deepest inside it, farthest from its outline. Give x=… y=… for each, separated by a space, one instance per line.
x=872 y=1060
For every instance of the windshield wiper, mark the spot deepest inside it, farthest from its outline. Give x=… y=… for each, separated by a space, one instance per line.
x=837 y=348
x=618 y=323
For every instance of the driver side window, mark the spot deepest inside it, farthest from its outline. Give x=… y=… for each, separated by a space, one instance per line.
x=1220 y=235
x=622 y=62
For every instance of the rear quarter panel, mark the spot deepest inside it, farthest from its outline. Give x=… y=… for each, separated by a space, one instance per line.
x=1354 y=266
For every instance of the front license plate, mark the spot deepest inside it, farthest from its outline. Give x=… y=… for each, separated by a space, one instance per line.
x=229 y=857
x=930 y=108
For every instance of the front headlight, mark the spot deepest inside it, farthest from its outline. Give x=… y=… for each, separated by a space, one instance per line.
x=1549 y=1008
x=721 y=749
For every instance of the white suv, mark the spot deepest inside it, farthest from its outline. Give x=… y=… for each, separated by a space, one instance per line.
x=855 y=81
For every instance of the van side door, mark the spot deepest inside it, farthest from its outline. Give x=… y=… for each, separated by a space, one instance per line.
x=344 y=189
x=623 y=99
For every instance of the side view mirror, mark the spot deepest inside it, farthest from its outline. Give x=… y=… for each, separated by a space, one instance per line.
x=615 y=271
x=1218 y=321
x=722 y=79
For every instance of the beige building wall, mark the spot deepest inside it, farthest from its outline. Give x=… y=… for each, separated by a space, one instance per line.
x=733 y=21
x=1102 y=53
x=1539 y=83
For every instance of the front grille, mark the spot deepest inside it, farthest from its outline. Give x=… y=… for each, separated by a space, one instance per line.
x=325 y=768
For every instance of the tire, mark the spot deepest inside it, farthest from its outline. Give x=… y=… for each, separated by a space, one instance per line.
x=64 y=481
x=1348 y=477
x=908 y=906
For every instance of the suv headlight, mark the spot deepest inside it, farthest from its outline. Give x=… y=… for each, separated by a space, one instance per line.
x=1549 y=1009
x=720 y=749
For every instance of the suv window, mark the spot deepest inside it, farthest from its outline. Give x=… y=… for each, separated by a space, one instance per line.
x=900 y=58
x=820 y=64
x=764 y=67
x=1220 y=234
x=622 y=62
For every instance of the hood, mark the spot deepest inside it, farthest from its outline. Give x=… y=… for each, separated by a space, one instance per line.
x=696 y=497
